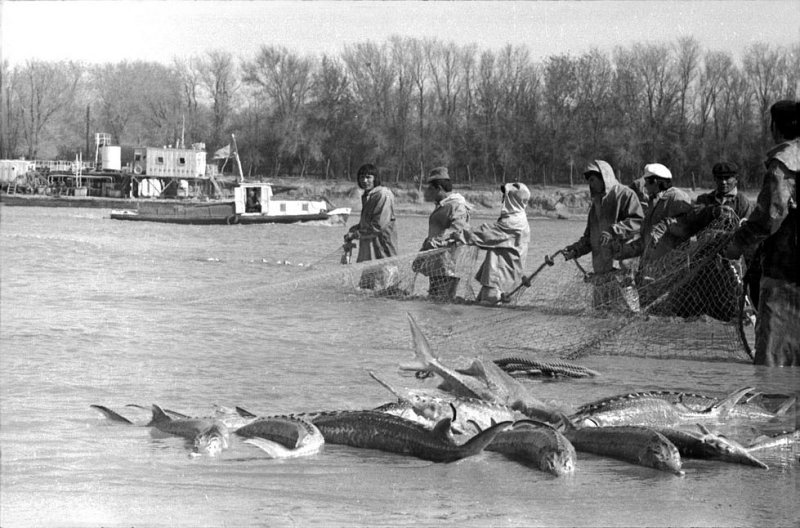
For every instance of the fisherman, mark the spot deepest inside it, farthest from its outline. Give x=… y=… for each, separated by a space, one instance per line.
x=253 y=203
x=614 y=216
x=714 y=290
x=665 y=205
x=506 y=244
x=775 y=223
x=451 y=215
x=375 y=230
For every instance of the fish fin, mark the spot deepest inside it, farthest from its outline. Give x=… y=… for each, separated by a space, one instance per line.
x=175 y=414
x=273 y=449
x=159 y=416
x=388 y=387
x=244 y=413
x=724 y=406
x=477 y=443
x=442 y=428
x=111 y=415
x=785 y=406
x=422 y=348
x=475 y=425
x=528 y=421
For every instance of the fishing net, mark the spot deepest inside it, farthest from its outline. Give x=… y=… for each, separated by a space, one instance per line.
x=687 y=304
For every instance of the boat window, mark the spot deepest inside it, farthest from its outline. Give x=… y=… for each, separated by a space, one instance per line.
x=160 y=159
x=137 y=157
x=305 y=207
x=181 y=161
x=283 y=207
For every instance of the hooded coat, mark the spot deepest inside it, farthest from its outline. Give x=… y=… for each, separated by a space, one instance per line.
x=616 y=210
x=377 y=235
x=775 y=223
x=505 y=241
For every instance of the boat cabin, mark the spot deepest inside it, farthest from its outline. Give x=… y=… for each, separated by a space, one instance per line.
x=257 y=199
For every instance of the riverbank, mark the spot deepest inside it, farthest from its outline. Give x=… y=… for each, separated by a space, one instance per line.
x=561 y=202
x=551 y=201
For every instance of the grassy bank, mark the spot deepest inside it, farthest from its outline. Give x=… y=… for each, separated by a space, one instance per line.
x=549 y=201
x=556 y=202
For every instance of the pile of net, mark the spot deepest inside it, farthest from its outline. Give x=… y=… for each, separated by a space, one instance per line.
x=686 y=305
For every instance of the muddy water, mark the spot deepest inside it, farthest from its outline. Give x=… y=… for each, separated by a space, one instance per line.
x=88 y=315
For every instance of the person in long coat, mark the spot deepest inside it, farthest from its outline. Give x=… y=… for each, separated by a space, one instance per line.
x=615 y=216
x=376 y=231
x=449 y=217
x=775 y=223
x=506 y=244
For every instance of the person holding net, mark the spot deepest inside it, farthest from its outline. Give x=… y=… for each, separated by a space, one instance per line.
x=615 y=216
x=450 y=216
x=658 y=235
x=505 y=242
x=375 y=231
x=715 y=286
x=775 y=223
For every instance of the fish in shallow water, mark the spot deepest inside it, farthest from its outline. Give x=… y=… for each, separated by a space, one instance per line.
x=646 y=409
x=779 y=440
x=283 y=436
x=378 y=430
x=538 y=443
x=482 y=380
x=702 y=443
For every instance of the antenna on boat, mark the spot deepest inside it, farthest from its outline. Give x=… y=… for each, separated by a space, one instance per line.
x=183 y=129
x=238 y=161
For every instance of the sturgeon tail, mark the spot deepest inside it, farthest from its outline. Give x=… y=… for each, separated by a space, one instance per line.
x=477 y=443
x=111 y=415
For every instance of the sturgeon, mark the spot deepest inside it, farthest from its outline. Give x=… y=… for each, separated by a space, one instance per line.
x=484 y=381
x=634 y=444
x=549 y=368
x=707 y=445
x=749 y=408
x=429 y=408
x=378 y=430
x=771 y=442
x=208 y=435
x=651 y=410
x=283 y=436
x=539 y=443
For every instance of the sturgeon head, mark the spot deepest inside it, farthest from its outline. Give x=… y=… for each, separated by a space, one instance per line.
x=661 y=454
x=538 y=443
x=211 y=442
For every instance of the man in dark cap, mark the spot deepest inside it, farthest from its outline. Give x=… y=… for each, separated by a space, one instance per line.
x=449 y=217
x=726 y=194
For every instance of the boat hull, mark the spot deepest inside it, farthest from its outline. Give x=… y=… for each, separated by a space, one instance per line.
x=218 y=220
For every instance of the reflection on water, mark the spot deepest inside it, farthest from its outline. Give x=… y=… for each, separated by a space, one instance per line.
x=95 y=311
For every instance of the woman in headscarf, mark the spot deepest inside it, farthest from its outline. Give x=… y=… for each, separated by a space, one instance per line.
x=774 y=222
x=506 y=244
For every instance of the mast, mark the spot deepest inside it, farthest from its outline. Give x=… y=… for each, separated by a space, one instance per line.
x=238 y=161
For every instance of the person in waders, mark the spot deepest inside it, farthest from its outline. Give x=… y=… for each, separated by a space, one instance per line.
x=506 y=244
x=450 y=216
x=615 y=217
x=775 y=223
x=375 y=231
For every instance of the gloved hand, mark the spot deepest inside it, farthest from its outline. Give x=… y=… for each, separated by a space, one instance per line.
x=606 y=238
x=569 y=253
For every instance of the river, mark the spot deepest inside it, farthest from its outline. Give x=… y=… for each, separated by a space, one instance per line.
x=93 y=311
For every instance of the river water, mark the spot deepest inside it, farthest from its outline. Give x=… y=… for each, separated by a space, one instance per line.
x=92 y=312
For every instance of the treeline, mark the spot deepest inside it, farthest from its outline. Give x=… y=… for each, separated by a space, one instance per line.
x=409 y=104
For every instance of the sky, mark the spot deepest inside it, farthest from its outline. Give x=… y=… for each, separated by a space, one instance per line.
x=103 y=31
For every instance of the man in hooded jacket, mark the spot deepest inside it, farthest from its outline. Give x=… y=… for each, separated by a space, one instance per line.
x=614 y=216
x=506 y=244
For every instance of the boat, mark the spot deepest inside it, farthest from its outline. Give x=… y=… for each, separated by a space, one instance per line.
x=161 y=184
x=253 y=203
